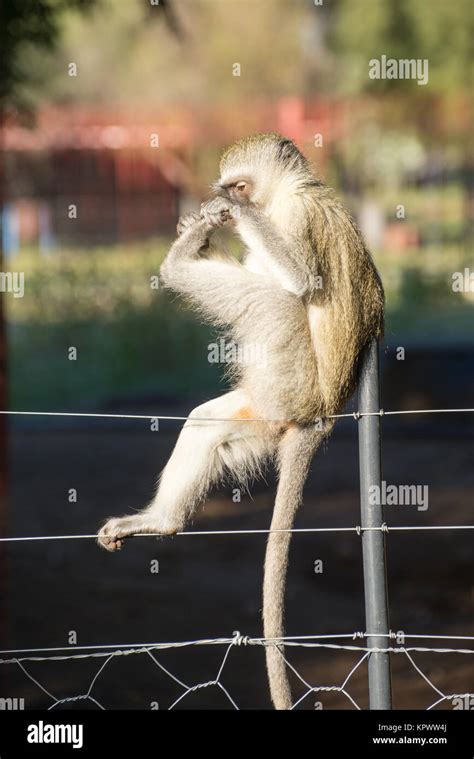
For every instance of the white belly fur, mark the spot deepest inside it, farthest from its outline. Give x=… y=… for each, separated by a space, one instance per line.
x=315 y=316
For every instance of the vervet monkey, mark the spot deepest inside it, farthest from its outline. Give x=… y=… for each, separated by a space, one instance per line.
x=309 y=294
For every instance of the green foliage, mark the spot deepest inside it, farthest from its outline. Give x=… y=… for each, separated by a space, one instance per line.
x=440 y=31
x=284 y=47
x=131 y=339
x=194 y=66
x=134 y=341
x=26 y=25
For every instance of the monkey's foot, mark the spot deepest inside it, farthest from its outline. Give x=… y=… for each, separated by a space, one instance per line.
x=113 y=533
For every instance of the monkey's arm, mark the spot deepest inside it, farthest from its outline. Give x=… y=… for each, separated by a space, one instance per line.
x=290 y=260
x=221 y=289
x=193 y=239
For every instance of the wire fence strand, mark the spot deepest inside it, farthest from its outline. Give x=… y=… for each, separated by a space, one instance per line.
x=152 y=417
x=358 y=529
x=151 y=649
x=110 y=652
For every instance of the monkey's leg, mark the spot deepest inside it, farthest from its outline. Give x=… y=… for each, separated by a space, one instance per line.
x=207 y=447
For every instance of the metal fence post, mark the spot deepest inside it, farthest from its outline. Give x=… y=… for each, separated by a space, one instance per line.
x=373 y=541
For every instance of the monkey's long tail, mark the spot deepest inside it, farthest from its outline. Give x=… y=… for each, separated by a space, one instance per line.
x=295 y=452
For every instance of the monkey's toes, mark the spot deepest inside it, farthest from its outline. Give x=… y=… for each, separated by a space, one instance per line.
x=111 y=536
x=110 y=543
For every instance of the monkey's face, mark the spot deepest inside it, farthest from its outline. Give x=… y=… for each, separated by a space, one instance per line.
x=239 y=189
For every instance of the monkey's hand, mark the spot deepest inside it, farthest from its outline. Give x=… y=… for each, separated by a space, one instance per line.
x=219 y=211
x=186 y=221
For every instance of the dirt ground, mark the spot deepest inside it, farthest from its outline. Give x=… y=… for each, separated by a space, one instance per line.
x=209 y=587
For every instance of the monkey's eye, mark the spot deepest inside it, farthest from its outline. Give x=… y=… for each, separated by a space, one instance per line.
x=240 y=186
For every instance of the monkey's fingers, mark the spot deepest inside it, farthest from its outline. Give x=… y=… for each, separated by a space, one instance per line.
x=218 y=210
x=186 y=221
x=214 y=205
x=216 y=218
x=213 y=220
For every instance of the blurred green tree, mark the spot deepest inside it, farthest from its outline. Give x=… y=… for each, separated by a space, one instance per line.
x=442 y=32
x=28 y=23
x=186 y=54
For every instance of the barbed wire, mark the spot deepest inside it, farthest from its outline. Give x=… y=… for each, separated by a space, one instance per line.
x=151 y=417
x=358 y=529
x=238 y=639
x=242 y=640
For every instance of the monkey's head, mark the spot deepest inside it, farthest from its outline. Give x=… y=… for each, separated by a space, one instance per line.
x=260 y=168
